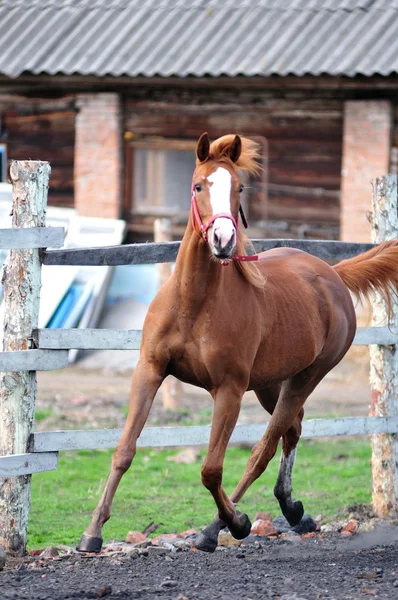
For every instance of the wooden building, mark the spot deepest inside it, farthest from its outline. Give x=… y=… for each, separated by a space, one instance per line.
x=115 y=94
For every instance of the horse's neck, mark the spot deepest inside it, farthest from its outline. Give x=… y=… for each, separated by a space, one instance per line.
x=196 y=273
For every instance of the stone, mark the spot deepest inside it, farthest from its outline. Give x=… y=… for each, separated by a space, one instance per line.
x=3 y=558
x=263 y=528
x=290 y=537
x=187 y=533
x=169 y=538
x=263 y=516
x=225 y=539
x=307 y=536
x=350 y=528
x=168 y=583
x=135 y=537
x=49 y=552
x=306 y=525
x=104 y=590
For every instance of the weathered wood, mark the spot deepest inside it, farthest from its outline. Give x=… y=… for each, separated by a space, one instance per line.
x=384 y=362
x=44 y=129
x=88 y=339
x=365 y=336
x=54 y=441
x=21 y=280
x=171 y=389
x=134 y=254
x=130 y=339
x=26 y=464
x=33 y=360
x=32 y=237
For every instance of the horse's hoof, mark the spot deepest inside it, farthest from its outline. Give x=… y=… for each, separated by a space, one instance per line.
x=294 y=512
x=205 y=543
x=241 y=526
x=89 y=543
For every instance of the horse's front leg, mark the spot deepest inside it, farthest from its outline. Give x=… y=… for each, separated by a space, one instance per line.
x=145 y=383
x=227 y=403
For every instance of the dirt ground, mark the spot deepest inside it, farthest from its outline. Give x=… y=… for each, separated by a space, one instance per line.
x=327 y=566
x=79 y=398
x=322 y=567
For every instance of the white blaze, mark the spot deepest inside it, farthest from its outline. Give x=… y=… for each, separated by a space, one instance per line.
x=220 y=199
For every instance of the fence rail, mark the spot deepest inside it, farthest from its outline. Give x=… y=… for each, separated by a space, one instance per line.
x=32 y=237
x=135 y=254
x=44 y=446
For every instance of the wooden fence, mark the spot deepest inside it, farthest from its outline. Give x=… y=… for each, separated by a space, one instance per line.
x=28 y=349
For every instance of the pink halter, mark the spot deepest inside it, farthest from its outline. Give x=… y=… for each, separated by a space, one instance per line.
x=204 y=227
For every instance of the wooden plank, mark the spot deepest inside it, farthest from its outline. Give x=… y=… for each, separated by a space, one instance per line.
x=130 y=339
x=32 y=237
x=26 y=464
x=52 y=441
x=33 y=360
x=366 y=336
x=134 y=254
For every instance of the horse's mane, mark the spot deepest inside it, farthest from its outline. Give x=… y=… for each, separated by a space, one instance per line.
x=248 y=161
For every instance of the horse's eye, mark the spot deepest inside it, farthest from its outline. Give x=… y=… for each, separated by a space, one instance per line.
x=198 y=187
x=241 y=188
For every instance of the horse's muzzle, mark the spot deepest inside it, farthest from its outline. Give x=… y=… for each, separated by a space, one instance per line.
x=223 y=240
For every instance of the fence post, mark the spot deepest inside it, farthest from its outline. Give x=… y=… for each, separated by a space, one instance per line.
x=21 y=280
x=384 y=362
x=171 y=389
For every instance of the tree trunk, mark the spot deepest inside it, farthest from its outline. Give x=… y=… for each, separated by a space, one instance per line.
x=384 y=362
x=21 y=281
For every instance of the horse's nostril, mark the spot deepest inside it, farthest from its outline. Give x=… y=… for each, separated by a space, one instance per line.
x=217 y=238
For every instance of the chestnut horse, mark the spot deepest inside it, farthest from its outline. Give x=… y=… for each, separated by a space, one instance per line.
x=276 y=326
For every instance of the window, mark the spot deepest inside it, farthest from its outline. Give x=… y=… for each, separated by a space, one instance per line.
x=159 y=178
x=3 y=162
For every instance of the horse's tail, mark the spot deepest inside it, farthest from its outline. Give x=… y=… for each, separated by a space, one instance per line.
x=373 y=271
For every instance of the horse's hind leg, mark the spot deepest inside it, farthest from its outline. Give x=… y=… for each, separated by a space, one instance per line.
x=292 y=509
x=145 y=383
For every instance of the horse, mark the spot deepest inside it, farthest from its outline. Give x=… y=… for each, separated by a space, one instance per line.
x=275 y=323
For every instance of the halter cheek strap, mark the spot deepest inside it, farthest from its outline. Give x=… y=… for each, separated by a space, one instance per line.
x=203 y=227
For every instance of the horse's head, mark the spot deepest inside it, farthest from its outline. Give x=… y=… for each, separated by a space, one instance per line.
x=216 y=189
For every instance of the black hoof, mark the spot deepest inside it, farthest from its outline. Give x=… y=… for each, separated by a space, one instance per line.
x=205 y=543
x=241 y=526
x=293 y=512
x=89 y=543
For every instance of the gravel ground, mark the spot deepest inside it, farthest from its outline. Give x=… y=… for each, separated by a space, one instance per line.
x=327 y=566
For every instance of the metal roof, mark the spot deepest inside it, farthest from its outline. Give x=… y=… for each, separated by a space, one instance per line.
x=198 y=37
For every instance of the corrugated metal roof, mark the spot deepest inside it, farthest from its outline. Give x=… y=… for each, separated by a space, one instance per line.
x=330 y=5
x=198 y=37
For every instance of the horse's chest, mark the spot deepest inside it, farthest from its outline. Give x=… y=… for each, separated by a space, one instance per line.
x=197 y=360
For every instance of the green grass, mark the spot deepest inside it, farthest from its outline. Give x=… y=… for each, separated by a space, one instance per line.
x=328 y=476
x=43 y=413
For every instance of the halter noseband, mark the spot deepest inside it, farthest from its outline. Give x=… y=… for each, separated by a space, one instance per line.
x=204 y=227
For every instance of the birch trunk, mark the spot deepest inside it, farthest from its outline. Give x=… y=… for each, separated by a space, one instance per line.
x=21 y=281
x=384 y=362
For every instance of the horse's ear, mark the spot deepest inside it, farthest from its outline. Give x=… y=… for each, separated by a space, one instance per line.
x=235 y=149
x=203 y=147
